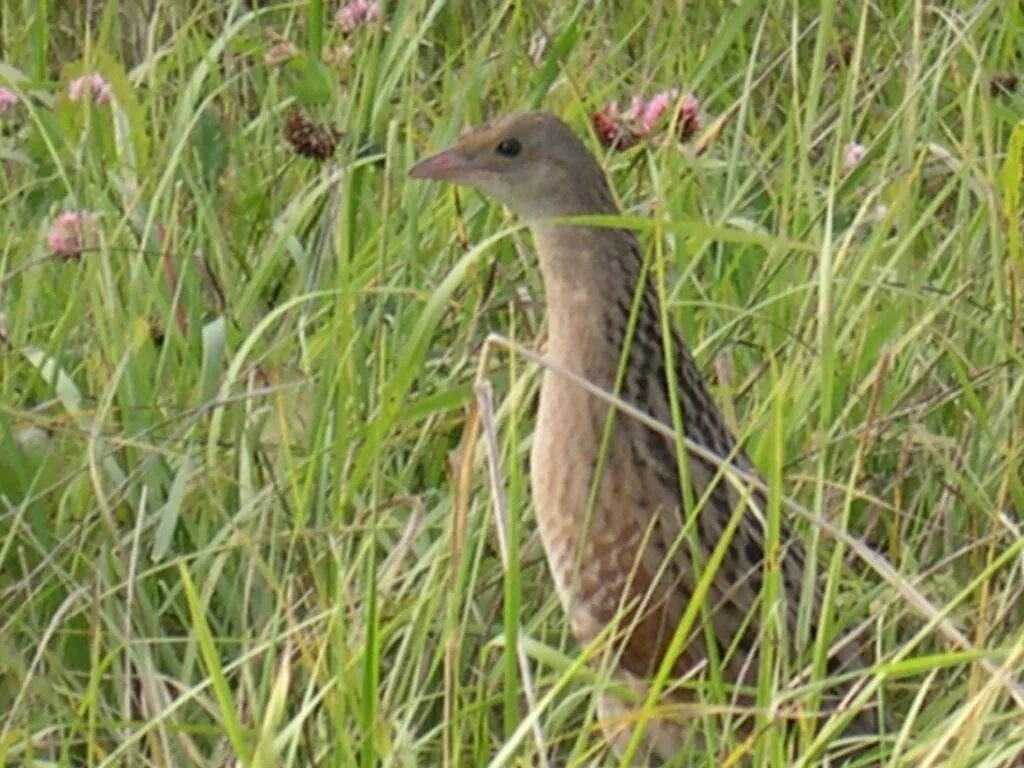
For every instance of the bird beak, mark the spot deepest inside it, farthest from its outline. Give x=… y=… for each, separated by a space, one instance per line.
x=450 y=165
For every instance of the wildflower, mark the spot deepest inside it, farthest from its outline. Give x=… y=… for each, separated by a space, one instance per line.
x=688 y=121
x=645 y=114
x=8 y=100
x=611 y=127
x=854 y=153
x=622 y=130
x=357 y=13
x=280 y=52
x=94 y=87
x=71 y=233
x=654 y=108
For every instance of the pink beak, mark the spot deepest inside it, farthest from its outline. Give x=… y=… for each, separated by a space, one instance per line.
x=450 y=165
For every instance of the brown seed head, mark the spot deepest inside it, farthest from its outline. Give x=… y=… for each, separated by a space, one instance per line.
x=309 y=139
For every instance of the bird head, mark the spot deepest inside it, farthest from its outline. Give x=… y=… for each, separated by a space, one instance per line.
x=532 y=162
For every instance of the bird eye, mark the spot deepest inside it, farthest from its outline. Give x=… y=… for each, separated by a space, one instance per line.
x=509 y=147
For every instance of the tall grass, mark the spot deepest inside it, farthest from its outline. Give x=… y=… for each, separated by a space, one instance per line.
x=230 y=428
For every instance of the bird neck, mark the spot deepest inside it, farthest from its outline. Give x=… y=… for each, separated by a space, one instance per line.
x=590 y=276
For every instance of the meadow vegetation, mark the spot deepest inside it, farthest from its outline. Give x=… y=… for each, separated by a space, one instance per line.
x=239 y=347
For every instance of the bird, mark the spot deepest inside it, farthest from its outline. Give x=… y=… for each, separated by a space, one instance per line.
x=627 y=528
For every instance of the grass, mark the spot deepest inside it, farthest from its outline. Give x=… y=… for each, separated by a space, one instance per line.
x=229 y=431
